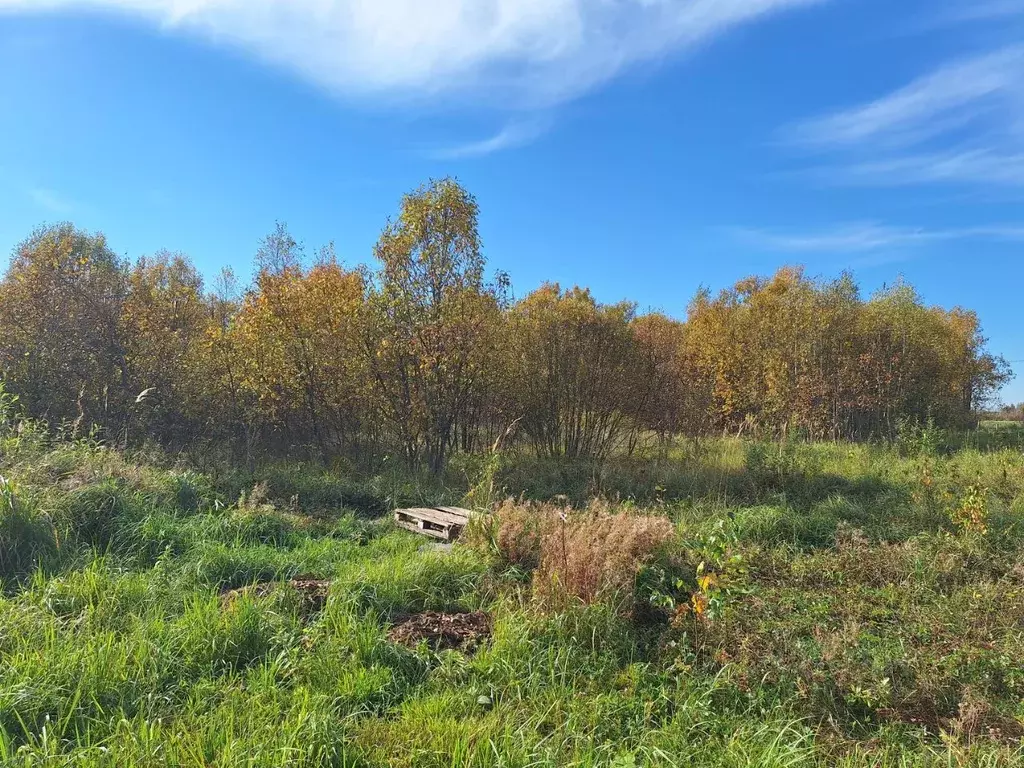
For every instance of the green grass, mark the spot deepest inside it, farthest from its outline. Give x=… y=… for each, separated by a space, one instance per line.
x=999 y=424
x=871 y=625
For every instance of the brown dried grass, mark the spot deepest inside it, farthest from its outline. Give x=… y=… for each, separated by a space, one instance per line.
x=585 y=556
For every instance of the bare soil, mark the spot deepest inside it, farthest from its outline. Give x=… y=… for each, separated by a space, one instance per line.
x=442 y=631
x=312 y=592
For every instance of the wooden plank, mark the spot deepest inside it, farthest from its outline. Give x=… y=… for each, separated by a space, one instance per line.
x=415 y=528
x=444 y=523
x=413 y=517
x=456 y=515
x=440 y=516
x=457 y=511
x=420 y=523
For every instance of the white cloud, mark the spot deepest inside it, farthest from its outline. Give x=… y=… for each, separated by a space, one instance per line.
x=978 y=10
x=515 y=134
x=868 y=237
x=533 y=52
x=963 y=123
x=973 y=166
x=935 y=103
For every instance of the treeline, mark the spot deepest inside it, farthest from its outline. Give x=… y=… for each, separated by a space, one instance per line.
x=427 y=356
x=1007 y=412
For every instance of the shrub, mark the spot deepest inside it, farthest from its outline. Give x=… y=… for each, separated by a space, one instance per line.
x=917 y=438
x=512 y=534
x=971 y=512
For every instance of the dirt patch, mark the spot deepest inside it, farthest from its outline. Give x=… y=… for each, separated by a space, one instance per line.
x=442 y=631
x=312 y=593
x=978 y=719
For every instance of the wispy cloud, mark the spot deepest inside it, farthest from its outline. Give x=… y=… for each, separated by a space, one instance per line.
x=961 y=123
x=980 y=10
x=53 y=202
x=974 y=166
x=870 y=237
x=515 y=134
x=511 y=52
x=932 y=104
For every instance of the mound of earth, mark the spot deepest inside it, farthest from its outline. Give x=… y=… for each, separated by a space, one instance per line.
x=442 y=631
x=312 y=592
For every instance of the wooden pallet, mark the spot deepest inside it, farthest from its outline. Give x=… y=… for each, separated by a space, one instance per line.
x=444 y=523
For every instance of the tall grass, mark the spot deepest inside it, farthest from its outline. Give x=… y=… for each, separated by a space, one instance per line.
x=810 y=605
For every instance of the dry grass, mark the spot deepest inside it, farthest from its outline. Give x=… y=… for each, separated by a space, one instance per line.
x=583 y=555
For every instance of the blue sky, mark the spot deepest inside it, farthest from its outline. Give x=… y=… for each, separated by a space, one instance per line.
x=639 y=147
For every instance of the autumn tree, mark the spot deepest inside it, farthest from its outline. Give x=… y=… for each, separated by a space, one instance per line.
x=430 y=315
x=426 y=357
x=571 y=374
x=163 y=323
x=792 y=352
x=60 y=347
x=235 y=417
x=670 y=395
x=303 y=362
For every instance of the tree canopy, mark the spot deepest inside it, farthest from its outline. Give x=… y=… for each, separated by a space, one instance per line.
x=427 y=356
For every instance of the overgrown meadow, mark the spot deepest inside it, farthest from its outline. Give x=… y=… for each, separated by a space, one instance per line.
x=723 y=603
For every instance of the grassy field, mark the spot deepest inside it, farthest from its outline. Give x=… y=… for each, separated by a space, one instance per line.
x=729 y=604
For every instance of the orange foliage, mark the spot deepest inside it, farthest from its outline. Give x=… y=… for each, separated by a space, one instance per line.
x=425 y=357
